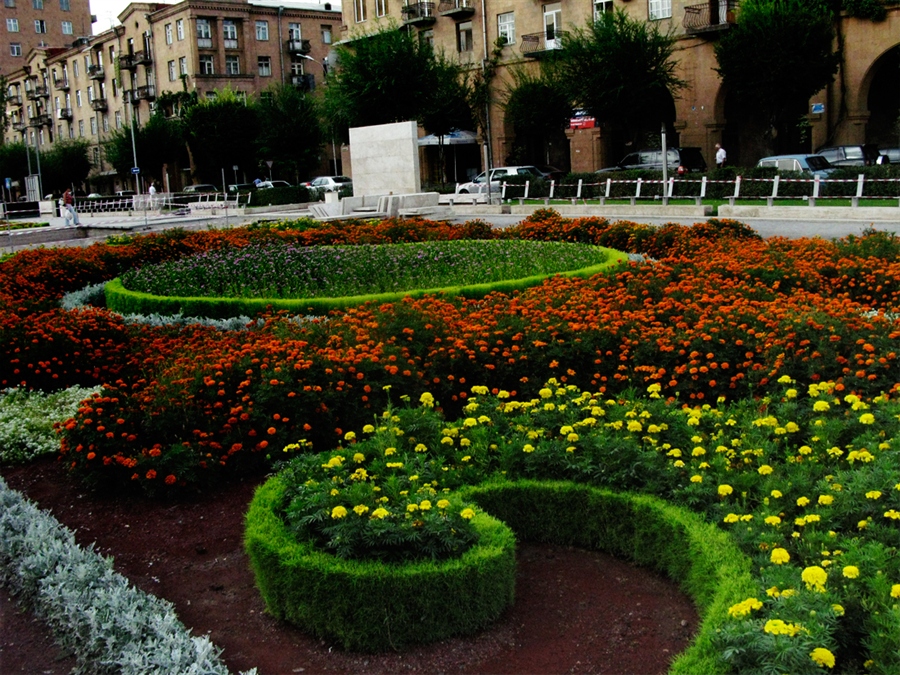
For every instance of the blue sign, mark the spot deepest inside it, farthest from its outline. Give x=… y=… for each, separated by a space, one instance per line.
x=8 y=183
x=818 y=108
x=135 y=169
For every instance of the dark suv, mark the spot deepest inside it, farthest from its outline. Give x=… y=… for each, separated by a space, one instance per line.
x=851 y=155
x=690 y=158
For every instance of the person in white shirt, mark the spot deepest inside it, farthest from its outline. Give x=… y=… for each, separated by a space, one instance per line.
x=720 y=156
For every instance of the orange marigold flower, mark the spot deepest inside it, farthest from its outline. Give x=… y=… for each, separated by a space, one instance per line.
x=170 y=479
x=271 y=431
x=151 y=474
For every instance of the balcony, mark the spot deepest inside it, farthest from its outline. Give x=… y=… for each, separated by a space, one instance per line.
x=37 y=91
x=19 y=126
x=100 y=105
x=95 y=72
x=298 y=46
x=710 y=17
x=61 y=83
x=126 y=62
x=204 y=43
x=42 y=120
x=418 y=14
x=64 y=114
x=14 y=99
x=145 y=93
x=305 y=82
x=143 y=58
x=536 y=45
x=457 y=9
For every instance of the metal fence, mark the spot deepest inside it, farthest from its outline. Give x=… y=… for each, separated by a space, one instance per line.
x=162 y=201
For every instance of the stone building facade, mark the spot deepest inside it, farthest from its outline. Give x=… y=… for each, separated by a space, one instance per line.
x=31 y=24
x=102 y=82
x=861 y=106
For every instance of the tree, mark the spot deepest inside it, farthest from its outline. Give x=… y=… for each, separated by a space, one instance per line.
x=621 y=71
x=222 y=133
x=393 y=76
x=291 y=134
x=65 y=164
x=774 y=59
x=539 y=110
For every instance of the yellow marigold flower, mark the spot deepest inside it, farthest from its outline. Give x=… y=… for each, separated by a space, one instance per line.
x=360 y=509
x=528 y=448
x=731 y=518
x=635 y=426
x=742 y=609
x=479 y=389
x=804 y=450
x=774 y=521
x=502 y=394
x=785 y=379
x=873 y=494
x=389 y=451
x=427 y=400
x=776 y=494
x=394 y=465
x=696 y=479
x=368 y=429
x=802 y=501
x=674 y=452
x=773 y=592
x=466 y=458
x=825 y=500
x=838 y=609
x=895 y=591
x=334 y=462
x=335 y=492
x=780 y=556
x=425 y=505
x=893 y=514
x=725 y=490
x=779 y=627
x=359 y=458
x=698 y=451
x=571 y=448
x=338 y=512
x=790 y=393
x=572 y=438
x=470 y=422
x=867 y=418
x=468 y=514
x=792 y=427
x=381 y=513
x=412 y=507
x=851 y=571
x=799 y=522
x=813 y=518
x=678 y=464
x=822 y=657
x=443 y=503
x=447 y=440
x=765 y=470
x=421 y=447
x=814 y=577
x=821 y=406
x=863 y=524
x=747 y=517
x=546 y=392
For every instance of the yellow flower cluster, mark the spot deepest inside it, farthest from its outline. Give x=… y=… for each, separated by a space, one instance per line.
x=742 y=609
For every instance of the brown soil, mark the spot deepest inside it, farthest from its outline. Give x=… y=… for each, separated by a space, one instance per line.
x=576 y=611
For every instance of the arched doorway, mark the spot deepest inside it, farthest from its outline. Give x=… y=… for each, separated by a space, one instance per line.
x=883 y=100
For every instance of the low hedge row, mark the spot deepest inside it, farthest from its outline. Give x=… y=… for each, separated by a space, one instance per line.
x=372 y=606
x=120 y=299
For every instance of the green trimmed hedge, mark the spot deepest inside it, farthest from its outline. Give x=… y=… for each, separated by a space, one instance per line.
x=705 y=561
x=124 y=301
x=372 y=606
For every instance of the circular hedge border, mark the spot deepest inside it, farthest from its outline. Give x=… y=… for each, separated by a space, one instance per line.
x=124 y=301
x=374 y=606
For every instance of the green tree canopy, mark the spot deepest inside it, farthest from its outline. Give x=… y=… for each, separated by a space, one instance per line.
x=778 y=55
x=65 y=164
x=222 y=133
x=291 y=134
x=621 y=71
x=393 y=76
x=539 y=109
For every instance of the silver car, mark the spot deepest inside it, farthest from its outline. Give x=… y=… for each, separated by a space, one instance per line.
x=479 y=184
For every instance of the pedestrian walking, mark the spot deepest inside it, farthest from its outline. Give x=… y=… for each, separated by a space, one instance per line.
x=69 y=207
x=720 y=156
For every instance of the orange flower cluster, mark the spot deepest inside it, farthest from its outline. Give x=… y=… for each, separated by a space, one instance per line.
x=721 y=313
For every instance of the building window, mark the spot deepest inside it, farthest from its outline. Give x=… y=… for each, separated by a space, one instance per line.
x=294 y=32
x=212 y=95
x=75 y=67
x=15 y=49
x=118 y=119
x=64 y=5
x=182 y=65
x=168 y=33
x=380 y=7
x=179 y=29
x=262 y=30
x=40 y=26
x=172 y=70
x=67 y=28
x=206 y=65
x=95 y=151
x=427 y=37
x=296 y=67
x=204 y=33
x=12 y=25
x=464 y=37
x=232 y=65
x=229 y=33
x=359 y=10
x=326 y=34
x=93 y=126
x=506 y=27
x=78 y=98
x=660 y=9
x=265 y=66
x=81 y=128
x=90 y=92
x=9 y=3
x=602 y=7
x=37 y=4
x=105 y=122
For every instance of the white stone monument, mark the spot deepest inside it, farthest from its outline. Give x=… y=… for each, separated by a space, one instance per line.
x=385 y=159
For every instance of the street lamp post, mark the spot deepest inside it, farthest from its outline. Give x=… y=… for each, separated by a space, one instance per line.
x=324 y=64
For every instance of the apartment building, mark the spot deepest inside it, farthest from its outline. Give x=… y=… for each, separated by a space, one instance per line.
x=861 y=107
x=31 y=24
x=102 y=82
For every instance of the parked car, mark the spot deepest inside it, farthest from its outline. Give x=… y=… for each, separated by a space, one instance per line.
x=266 y=184
x=240 y=187
x=551 y=172
x=690 y=158
x=201 y=187
x=851 y=155
x=816 y=165
x=125 y=193
x=498 y=174
x=329 y=183
x=893 y=155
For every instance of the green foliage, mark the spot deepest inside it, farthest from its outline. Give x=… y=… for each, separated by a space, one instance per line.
x=14 y=162
x=539 y=110
x=64 y=165
x=222 y=133
x=290 y=133
x=297 y=194
x=778 y=54
x=874 y=10
x=392 y=76
x=376 y=606
x=621 y=71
